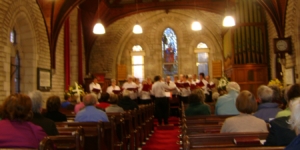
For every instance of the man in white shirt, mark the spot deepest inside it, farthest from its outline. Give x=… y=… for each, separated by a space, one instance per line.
x=161 y=101
x=172 y=85
x=131 y=87
x=95 y=88
x=113 y=87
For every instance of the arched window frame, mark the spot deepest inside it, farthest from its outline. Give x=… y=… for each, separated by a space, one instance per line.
x=169 y=52
x=137 y=62
x=15 y=64
x=202 y=48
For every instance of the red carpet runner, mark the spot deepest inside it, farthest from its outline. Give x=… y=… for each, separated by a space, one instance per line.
x=164 y=139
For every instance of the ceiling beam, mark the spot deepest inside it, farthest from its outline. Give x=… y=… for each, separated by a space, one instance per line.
x=55 y=14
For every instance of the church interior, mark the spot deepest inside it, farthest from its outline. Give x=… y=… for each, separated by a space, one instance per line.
x=52 y=46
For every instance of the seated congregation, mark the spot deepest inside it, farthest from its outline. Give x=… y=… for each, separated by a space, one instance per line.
x=125 y=120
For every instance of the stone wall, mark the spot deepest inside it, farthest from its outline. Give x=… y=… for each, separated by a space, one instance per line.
x=32 y=43
x=291 y=30
x=115 y=46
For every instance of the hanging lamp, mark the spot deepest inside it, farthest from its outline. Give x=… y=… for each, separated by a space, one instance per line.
x=137 y=29
x=196 y=25
x=98 y=27
x=228 y=20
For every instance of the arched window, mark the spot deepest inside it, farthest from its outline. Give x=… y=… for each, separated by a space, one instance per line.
x=137 y=61
x=169 y=52
x=202 y=58
x=13 y=37
x=15 y=65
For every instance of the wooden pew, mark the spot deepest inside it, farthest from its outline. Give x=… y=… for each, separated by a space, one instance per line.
x=244 y=148
x=136 y=129
x=118 y=130
x=200 y=129
x=207 y=116
x=93 y=132
x=223 y=140
x=46 y=144
x=70 y=139
x=129 y=131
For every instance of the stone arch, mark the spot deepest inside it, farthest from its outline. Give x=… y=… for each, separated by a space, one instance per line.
x=211 y=45
x=127 y=54
x=26 y=45
x=153 y=23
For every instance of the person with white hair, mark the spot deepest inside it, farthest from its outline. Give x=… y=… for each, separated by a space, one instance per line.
x=266 y=110
x=38 y=119
x=295 y=123
x=172 y=85
x=226 y=103
x=90 y=113
x=131 y=87
x=113 y=87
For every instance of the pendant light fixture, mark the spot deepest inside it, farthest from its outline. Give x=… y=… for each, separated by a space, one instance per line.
x=137 y=29
x=98 y=28
x=228 y=21
x=196 y=25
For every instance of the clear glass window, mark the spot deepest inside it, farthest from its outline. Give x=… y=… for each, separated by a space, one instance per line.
x=137 y=60
x=202 y=59
x=137 y=63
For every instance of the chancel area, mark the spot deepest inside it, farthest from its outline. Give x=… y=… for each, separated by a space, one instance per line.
x=149 y=74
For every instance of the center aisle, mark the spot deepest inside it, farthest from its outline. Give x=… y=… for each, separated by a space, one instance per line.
x=164 y=139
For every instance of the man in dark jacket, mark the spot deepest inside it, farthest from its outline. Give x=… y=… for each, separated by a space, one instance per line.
x=279 y=128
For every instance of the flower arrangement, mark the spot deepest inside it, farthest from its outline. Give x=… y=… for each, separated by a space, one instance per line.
x=275 y=82
x=223 y=83
x=76 y=89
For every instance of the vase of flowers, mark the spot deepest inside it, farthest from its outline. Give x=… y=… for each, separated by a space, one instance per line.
x=222 y=85
x=75 y=92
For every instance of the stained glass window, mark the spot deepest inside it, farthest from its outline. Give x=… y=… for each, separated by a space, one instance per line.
x=169 y=52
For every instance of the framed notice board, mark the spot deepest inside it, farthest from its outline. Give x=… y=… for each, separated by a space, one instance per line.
x=44 y=79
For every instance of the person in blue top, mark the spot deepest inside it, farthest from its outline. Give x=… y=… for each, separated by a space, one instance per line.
x=90 y=113
x=226 y=103
x=295 y=124
x=266 y=110
x=67 y=102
